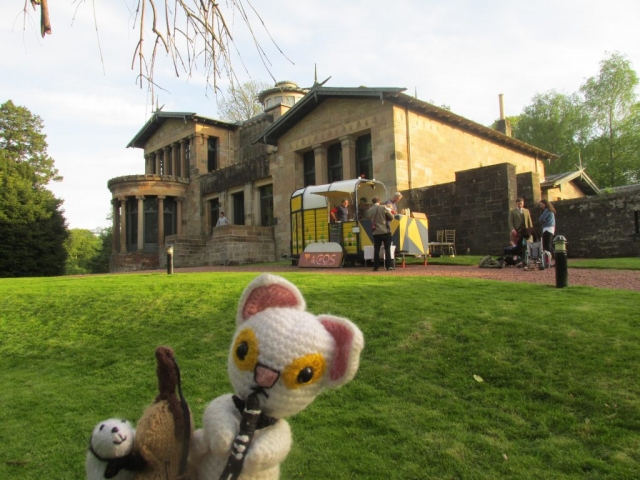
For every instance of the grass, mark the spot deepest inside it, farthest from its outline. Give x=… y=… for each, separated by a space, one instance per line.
x=559 y=396
x=630 y=263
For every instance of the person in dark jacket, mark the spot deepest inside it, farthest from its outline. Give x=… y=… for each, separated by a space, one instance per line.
x=380 y=217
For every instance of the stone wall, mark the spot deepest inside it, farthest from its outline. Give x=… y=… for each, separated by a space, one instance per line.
x=429 y=151
x=476 y=206
x=600 y=226
x=528 y=189
x=187 y=251
x=239 y=244
x=134 y=261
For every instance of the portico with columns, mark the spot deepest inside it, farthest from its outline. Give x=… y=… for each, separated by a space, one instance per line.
x=146 y=209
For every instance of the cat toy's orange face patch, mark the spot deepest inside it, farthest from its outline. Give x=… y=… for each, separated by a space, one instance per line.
x=304 y=371
x=246 y=351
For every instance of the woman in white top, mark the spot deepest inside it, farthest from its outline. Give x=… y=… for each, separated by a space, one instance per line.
x=222 y=220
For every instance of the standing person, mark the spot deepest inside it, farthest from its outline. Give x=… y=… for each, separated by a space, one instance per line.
x=333 y=214
x=362 y=207
x=393 y=202
x=343 y=210
x=380 y=218
x=548 y=224
x=519 y=217
x=222 y=220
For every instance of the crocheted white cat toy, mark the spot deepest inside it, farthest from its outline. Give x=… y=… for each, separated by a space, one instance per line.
x=110 y=450
x=281 y=358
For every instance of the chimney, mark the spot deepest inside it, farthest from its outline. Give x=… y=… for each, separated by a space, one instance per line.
x=503 y=125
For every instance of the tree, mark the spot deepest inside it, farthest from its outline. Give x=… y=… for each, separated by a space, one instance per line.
x=100 y=262
x=31 y=220
x=597 y=127
x=609 y=100
x=191 y=33
x=242 y=101
x=557 y=123
x=82 y=247
x=34 y=248
x=23 y=142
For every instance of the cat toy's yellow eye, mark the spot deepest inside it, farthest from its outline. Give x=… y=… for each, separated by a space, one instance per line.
x=245 y=350
x=304 y=371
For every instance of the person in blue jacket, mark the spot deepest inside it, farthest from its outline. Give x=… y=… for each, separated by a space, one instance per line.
x=548 y=223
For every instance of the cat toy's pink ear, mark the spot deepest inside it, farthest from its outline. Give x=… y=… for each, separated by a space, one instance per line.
x=268 y=291
x=349 y=342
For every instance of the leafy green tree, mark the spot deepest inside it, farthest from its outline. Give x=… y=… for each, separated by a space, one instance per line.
x=82 y=247
x=31 y=220
x=241 y=102
x=23 y=142
x=100 y=262
x=609 y=99
x=555 y=122
x=35 y=248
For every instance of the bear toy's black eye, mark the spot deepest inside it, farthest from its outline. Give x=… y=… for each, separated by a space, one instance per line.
x=242 y=350
x=305 y=375
x=101 y=426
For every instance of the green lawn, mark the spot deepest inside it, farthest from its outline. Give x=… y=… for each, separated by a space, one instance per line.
x=631 y=263
x=559 y=396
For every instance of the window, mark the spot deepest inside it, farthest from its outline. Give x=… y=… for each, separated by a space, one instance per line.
x=178 y=172
x=214 y=212
x=187 y=157
x=168 y=153
x=364 y=156
x=309 y=166
x=334 y=154
x=151 y=221
x=266 y=206
x=238 y=208
x=132 y=224
x=212 y=154
x=169 y=205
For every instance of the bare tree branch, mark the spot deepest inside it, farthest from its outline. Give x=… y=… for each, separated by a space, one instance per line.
x=193 y=33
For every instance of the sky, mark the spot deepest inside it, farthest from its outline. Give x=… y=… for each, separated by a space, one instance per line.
x=459 y=53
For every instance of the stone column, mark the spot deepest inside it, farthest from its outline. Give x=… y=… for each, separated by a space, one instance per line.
x=158 y=161
x=348 y=157
x=322 y=172
x=183 y=158
x=251 y=213
x=174 y=158
x=123 y=224
x=140 y=222
x=161 y=221
x=147 y=166
x=179 y=201
x=115 y=234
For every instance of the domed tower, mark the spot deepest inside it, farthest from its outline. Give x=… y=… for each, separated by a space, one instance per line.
x=279 y=99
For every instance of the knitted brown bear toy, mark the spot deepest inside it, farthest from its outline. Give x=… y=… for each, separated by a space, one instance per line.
x=163 y=433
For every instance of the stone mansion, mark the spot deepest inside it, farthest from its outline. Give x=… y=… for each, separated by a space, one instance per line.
x=196 y=167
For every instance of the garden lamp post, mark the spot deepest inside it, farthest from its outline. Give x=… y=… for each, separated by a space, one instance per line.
x=169 y=259
x=562 y=271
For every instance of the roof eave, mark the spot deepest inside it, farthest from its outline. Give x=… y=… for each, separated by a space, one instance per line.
x=158 y=118
x=317 y=95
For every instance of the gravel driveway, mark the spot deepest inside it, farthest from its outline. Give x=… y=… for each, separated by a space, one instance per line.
x=618 y=279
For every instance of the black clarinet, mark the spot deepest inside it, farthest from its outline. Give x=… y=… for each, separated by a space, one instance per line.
x=241 y=444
